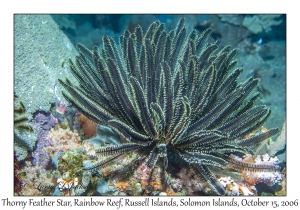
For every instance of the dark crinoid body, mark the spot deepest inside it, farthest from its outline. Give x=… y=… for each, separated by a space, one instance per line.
x=171 y=96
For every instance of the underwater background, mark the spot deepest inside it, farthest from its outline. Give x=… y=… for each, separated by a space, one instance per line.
x=49 y=132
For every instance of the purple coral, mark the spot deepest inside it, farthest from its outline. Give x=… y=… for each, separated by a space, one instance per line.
x=43 y=124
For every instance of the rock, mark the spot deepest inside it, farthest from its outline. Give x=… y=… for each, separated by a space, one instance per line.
x=41 y=52
x=41 y=57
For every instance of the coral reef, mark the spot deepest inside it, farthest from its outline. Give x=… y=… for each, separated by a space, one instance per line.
x=233 y=19
x=188 y=183
x=236 y=189
x=53 y=132
x=254 y=23
x=37 y=181
x=69 y=165
x=146 y=102
x=259 y=23
x=57 y=140
x=18 y=182
x=171 y=95
x=43 y=124
x=63 y=140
